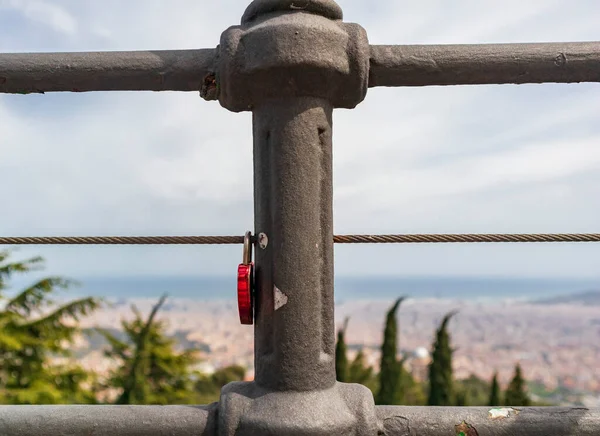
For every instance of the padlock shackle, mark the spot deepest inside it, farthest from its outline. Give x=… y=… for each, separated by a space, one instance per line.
x=247 y=253
x=245 y=283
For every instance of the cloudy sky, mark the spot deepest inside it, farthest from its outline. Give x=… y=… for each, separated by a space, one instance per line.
x=434 y=160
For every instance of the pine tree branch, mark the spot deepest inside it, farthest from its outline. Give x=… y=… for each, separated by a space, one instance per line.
x=72 y=310
x=131 y=382
x=31 y=298
x=9 y=269
x=119 y=348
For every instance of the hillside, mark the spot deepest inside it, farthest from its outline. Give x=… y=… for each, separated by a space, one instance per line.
x=588 y=298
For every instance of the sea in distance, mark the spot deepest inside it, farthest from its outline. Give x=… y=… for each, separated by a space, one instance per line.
x=346 y=288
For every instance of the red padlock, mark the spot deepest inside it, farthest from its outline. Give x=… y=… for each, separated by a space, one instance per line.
x=245 y=283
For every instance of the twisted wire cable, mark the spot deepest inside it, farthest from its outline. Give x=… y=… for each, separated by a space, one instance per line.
x=123 y=240
x=465 y=238
x=338 y=239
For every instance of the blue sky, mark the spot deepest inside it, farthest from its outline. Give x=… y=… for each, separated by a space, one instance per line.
x=436 y=160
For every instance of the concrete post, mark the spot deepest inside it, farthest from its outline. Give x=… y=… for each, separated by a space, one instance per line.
x=291 y=63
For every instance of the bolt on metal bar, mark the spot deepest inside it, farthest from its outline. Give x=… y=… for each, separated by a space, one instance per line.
x=338 y=239
x=390 y=65
x=528 y=421
x=160 y=70
x=480 y=64
x=108 y=420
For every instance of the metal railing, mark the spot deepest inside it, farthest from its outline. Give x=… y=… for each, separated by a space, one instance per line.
x=204 y=421
x=291 y=63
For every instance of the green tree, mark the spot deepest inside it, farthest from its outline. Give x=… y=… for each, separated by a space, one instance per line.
x=441 y=389
x=461 y=396
x=495 y=392
x=229 y=374
x=410 y=391
x=208 y=387
x=516 y=395
x=36 y=338
x=151 y=371
x=356 y=371
x=359 y=371
x=389 y=373
x=341 y=358
x=471 y=391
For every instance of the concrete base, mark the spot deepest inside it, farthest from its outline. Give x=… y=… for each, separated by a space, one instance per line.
x=246 y=409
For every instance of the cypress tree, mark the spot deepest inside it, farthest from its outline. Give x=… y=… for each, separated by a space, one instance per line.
x=441 y=392
x=495 y=392
x=471 y=391
x=516 y=396
x=359 y=371
x=410 y=392
x=389 y=373
x=341 y=358
x=462 y=397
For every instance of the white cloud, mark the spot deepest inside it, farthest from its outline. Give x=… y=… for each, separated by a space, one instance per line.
x=437 y=159
x=46 y=13
x=525 y=165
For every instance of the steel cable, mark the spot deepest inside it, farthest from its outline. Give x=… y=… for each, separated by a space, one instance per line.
x=464 y=238
x=338 y=239
x=123 y=240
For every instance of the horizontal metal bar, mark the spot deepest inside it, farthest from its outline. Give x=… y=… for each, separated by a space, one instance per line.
x=391 y=65
x=163 y=70
x=338 y=239
x=201 y=420
x=424 y=65
x=472 y=421
x=108 y=420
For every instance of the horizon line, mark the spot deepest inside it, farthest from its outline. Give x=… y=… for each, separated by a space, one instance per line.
x=370 y=276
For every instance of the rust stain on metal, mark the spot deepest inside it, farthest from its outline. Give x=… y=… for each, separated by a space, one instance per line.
x=465 y=429
x=209 y=90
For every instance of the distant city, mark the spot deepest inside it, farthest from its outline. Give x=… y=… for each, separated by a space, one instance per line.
x=346 y=288
x=555 y=336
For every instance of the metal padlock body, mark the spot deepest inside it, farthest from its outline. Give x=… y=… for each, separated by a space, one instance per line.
x=245 y=293
x=245 y=284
